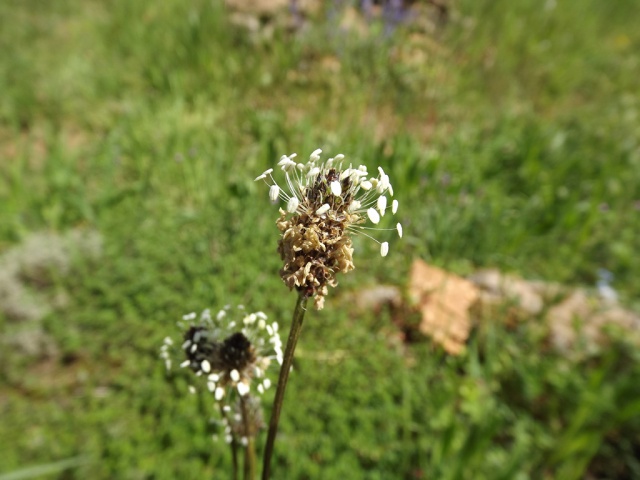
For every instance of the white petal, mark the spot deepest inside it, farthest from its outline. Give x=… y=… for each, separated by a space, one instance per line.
x=274 y=193
x=243 y=389
x=394 y=206
x=382 y=204
x=336 y=188
x=384 y=249
x=323 y=209
x=366 y=185
x=399 y=228
x=373 y=215
x=292 y=205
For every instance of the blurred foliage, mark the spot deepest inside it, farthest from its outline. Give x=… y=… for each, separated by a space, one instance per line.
x=510 y=133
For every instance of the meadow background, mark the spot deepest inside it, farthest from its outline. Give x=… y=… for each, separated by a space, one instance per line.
x=130 y=135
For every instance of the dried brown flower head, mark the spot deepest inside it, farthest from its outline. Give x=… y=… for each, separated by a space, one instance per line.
x=326 y=203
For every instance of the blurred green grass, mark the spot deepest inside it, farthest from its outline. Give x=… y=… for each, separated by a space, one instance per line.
x=511 y=137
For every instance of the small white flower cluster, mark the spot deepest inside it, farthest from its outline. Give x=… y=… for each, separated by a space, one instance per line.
x=350 y=190
x=229 y=350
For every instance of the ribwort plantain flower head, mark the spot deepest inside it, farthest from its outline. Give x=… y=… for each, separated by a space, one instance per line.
x=326 y=202
x=230 y=351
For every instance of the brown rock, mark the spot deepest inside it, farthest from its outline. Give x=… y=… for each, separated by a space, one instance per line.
x=443 y=300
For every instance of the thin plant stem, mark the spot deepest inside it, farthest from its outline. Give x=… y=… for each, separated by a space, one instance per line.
x=287 y=360
x=250 y=448
x=234 y=448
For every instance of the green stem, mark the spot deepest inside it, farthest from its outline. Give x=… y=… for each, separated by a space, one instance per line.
x=234 y=447
x=294 y=334
x=250 y=448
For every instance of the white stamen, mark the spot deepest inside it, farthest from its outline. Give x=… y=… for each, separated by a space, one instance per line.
x=382 y=204
x=292 y=205
x=185 y=364
x=205 y=366
x=315 y=155
x=243 y=389
x=323 y=209
x=214 y=377
x=384 y=248
x=373 y=216
x=394 y=206
x=192 y=389
x=219 y=393
x=355 y=205
x=264 y=175
x=266 y=382
x=399 y=228
x=336 y=188
x=274 y=193
x=235 y=375
x=366 y=185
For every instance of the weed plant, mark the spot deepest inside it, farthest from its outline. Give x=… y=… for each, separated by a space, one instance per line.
x=511 y=135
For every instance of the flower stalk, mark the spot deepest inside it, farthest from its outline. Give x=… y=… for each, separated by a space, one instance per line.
x=233 y=445
x=250 y=448
x=294 y=335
